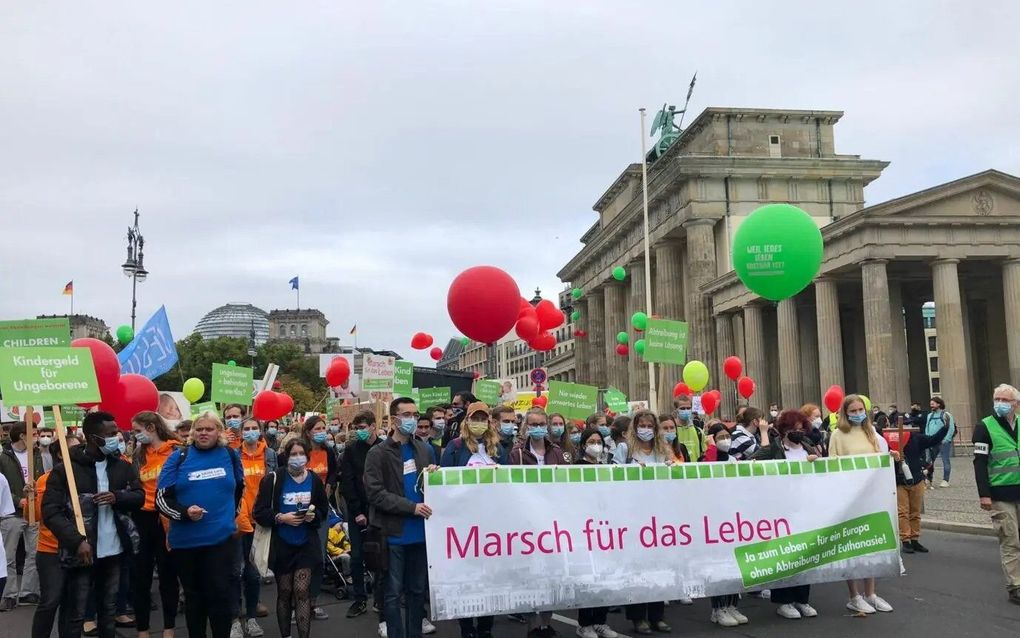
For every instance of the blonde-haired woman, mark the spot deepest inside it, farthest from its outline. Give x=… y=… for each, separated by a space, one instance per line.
x=855 y=434
x=199 y=490
x=644 y=443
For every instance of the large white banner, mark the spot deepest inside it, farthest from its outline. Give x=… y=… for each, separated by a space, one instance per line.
x=519 y=539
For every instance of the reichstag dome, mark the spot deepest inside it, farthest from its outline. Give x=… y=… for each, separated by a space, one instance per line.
x=235 y=320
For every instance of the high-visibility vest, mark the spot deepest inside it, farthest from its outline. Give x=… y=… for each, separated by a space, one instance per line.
x=1004 y=457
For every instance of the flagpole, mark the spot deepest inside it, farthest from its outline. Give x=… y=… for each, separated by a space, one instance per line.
x=648 y=257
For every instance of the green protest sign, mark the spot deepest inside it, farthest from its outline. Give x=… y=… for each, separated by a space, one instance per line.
x=616 y=400
x=666 y=341
x=488 y=392
x=403 y=378
x=199 y=408
x=27 y=333
x=433 y=396
x=572 y=400
x=68 y=413
x=231 y=384
x=377 y=373
x=48 y=376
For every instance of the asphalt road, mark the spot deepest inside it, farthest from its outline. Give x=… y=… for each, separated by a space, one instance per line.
x=957 y=589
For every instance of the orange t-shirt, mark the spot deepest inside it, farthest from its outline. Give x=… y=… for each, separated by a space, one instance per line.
x=148 y=474
x=318 y=463
x=254 y=466
x=47 y=541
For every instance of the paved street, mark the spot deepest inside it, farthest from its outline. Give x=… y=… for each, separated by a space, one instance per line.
x=955 y=590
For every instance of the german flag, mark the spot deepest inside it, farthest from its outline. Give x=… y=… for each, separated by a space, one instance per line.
x=69 y=288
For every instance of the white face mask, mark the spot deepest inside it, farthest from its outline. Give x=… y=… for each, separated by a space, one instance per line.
x=45 y=441
x=774 y=413
x=594 y=450
x=723 y=445
x=816 y=423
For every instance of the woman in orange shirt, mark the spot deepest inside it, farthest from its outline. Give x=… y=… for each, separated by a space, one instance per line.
x=47 y=562
x=323 y=462
x=154 y=443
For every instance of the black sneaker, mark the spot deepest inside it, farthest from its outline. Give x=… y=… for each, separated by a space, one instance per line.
x=7 y=604
x=29 y=599
x=907 y=548
x=357 y=608
x=1014 y=596
x=918 y=547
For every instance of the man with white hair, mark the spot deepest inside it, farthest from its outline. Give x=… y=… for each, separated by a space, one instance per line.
x=997 y=469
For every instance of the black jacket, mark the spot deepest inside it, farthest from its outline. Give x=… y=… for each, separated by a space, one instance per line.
x=352 y=478
x=267 y=505
x=913 y=452
x=384 y=483
x=10 y=467
x=775 y=450
x=56 y=505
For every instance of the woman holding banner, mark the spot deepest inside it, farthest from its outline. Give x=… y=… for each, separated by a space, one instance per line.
x=855 y=434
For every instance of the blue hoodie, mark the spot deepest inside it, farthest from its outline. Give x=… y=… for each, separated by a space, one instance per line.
x=213 y=479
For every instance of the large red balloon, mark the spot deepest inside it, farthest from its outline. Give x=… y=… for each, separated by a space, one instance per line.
x=733 y=367
x=107 y=366
x=338 y=373
x=709 y=402
x=622 y=349
x=549 y=316
x=436 y=353
x=131 y=394
x=284 y=403
x=543 y=342
x=745 y=386
x=681 y=388
x=483 y=303
x=833 y=398
x=266 y=406
x=540 y=402
x=420 y=341
x=527 y=327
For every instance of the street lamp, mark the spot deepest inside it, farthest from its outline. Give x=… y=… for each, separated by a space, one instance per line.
x=134 y=266
x=251 y=344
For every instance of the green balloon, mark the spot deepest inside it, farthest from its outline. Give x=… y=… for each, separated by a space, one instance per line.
x=576 y=293
x=619 y=274
x=231 y=363
x=574 y=316
x=639 y=320
x=639 y=345
x=464 y=341
x=622 y=337
x=125 y=334
x=777 y=251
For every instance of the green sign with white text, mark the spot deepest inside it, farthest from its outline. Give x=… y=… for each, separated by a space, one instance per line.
x=33 y=333
x=616 y=401
x=488 y=392
x=231 y=384
x=403 y=378
x=431 y=397
x=48 y=376
x=200 y=408
x=572 y=400
x=666 y=341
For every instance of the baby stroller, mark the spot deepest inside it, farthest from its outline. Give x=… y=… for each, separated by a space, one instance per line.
x=337 y=569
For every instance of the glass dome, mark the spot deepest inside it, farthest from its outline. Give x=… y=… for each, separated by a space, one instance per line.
x=235 y=320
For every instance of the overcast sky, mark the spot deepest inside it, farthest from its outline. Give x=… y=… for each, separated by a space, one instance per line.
x=377 y=149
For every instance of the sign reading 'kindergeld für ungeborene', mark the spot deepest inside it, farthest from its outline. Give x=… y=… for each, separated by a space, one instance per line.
x=48 y=376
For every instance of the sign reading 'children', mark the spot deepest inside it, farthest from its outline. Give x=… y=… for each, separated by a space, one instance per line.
x=48 y=376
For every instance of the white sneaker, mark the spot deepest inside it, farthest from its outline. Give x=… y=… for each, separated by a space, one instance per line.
x=944 y=484
x=879 y=604
x=806 y=611
x=252 y=628
x=382 y=630
x=722 y=618
x=586 y=632
x=427 y=627
x=861 y=606
x=604 y=631
x=788 y=611
x=685 y=600
x=736 y=615
x=235 y=630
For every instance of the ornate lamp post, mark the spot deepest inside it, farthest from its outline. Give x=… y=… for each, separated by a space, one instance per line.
x=134 y=266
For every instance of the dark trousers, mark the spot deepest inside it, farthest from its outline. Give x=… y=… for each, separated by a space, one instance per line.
x=789 y=595
x=249 y=579
x=470 y=627
x=592 y=616
x=152 y=553
x=210 y=582
x=52 y=590
x=729 y=600
x=101 y=580
x=323 y=534
x=408 y=569
x=355 y=533
x=124 y=596
x=652 y=612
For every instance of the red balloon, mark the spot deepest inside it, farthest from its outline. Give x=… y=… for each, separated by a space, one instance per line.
x=436 y=353
x=483 y=303
x=709 y=402
x=833 y=398
x=544 y=342
x=338 y=373
x=131 y=394
x=549 y=316
x=540 y=402
x=284 y=403
x=277 y=385
x=420 y=341
x=477 y=375
x=266 y=406
x=526 y=310
x=733 y=367
x=681 y=388
x=527 y=327
x=745 y=386
x=622 y=349
x=107 y=366
x=580 y=334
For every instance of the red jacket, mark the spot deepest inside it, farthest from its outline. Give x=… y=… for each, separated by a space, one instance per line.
x=521 y=454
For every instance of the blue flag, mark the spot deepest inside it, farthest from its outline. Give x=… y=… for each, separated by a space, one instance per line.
x=294 y=284
x=152 y=352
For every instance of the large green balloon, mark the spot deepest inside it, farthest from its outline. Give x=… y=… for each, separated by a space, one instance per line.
x=696 y=375
x=464 y=341
x=777 y=251
x=639 y=320
x=619 y=274
x=622 y=337
x=576 y=293
x=574 y=316
x=125 y=334
x=639 y=345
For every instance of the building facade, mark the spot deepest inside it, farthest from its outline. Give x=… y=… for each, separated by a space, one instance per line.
x=83 y=326
x=859 y=324
x=305 y=328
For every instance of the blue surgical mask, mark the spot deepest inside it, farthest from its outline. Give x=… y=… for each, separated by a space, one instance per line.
x=320 y=437
x=233 y=423
x=334 y=429
x=143 y=438
x=556 y=430
x=575 y=438
x=250 y=436
x=857 y=419
x=645 y=434
x=296 y=462
x=604 y=431
x=362 y=435
x=121 y=447
x=538 y=431
x=408 y=425
x=1002 y=408
x=340 y=447
x=272 y=431
x=669 y=436
x=684 y=414
x=508 y=429
x=330 y=443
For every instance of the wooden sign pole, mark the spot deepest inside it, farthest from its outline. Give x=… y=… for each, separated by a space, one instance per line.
x=72 y=485
x=30 y=448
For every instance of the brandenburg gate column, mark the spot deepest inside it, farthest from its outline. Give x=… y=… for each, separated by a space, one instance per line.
x=724 y=347
x=830 y=335
x=878 y=333
x=595 y=320
x=582 y=351
x=789 y=354
x=754 y=348
x=1011 y=295
x=955 y=380
x=615 y=307
x=669 y=304
x=637 y=368
x=701 y=263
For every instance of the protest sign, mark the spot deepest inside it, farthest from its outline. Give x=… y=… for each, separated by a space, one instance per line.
x=377 y=373
x=429 y=397
x=507 y=391
x=199 y=408
x=68 y=414
x=712 y=529
x=173 y=406
x=666 y=341
x=572 y=400
x=523 y=402
x=403 y=378
x=27 y=333
x=231 y=384
x=48 y=376
x=616 y=401
x=487 y=391
x=152 y=352
x=9 y=413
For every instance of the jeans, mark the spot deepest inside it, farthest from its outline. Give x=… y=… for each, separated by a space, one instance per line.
x=12 y=530
x=408 y=571
x=152 y=552
x=946 y=452
x=651 y=612
x=209 y=577
x=251 y=582
x=102 y=578
x=124 y=594
x=53 y=590
x=354 y=532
